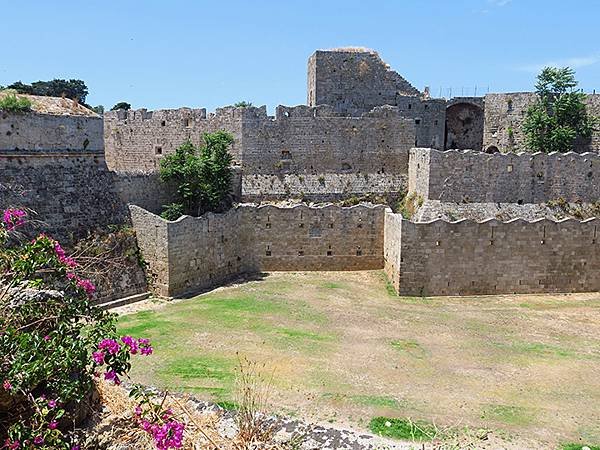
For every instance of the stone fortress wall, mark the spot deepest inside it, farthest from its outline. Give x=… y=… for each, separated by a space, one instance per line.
x=491 y=257
x=475 y=177
x=35 y=131
x=195 y=253
x=79 y=175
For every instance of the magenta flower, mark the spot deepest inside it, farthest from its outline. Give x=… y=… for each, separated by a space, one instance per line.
x=53 y=425
x=138 y=410
x=14 y=445
x=131 y=343
x=98 y=358
x=46 y=338
x=13 y=218
x=111 y=375
x=6 y=385
x=51 y=403
x=76 y=447
x=38 y=440
x=110 y=345
x=145 y=347
x=87 y=286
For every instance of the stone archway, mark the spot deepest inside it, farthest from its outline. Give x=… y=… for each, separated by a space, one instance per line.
x=464 y=127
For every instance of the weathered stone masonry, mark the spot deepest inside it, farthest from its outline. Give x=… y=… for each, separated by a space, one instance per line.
x=492 y=257
x=475 y=177
x=194 y=253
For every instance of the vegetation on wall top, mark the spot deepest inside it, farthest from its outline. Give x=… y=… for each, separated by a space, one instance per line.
x=14 y=103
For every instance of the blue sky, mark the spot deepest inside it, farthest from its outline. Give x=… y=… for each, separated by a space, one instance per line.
x=172 y=53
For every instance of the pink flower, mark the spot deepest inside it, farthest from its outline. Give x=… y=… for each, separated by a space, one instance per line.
x=6 y=385
x=62 y=257
x=76 y=447
x=145 y=347
x=12 y=445
x=71 y=276
x=13 y=218
x=87 y=286
x=138 y=410
x=111 y=375
x=98 y=358
x=38 y=440
x=131 y=343
x=51 y=403
x=46 y=338
x=110 y=345
x=52 y=425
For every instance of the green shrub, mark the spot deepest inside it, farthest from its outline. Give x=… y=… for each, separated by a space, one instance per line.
x=172 y=211
x=571 y=446
x=14 y=103
x=202 y=175
x=54 y=341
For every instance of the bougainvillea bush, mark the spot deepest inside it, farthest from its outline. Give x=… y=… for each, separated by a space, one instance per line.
x=53 y=341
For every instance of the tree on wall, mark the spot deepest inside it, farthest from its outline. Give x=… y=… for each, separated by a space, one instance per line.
x=558 y=119
x=121 y=105
x=73 y=89
x=202 y=176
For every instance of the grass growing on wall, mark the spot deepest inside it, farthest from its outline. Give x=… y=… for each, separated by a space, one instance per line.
x=14 y=103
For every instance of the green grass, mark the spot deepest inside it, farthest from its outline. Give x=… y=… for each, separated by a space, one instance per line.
x=571 y=446
x=14 y=103
x=509 y=414
x=404 y=429
x=375 y=401
x=412 y=348
x=331 y=285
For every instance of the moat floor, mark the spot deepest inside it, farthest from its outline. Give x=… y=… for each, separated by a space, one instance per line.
x=343 y=348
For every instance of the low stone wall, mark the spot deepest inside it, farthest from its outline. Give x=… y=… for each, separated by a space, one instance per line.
x=492 y=257
x=195 y=253
x=475 y=177
x=317 y=238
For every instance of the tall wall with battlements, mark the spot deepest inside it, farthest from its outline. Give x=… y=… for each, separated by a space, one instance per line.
x=492 y=257
x=475 y=177
x=305 y=140
x=194 y=253
x=337 y=156
x=504 y=115
x=136 y=140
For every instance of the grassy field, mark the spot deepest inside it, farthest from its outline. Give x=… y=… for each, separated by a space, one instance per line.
x=342 y=348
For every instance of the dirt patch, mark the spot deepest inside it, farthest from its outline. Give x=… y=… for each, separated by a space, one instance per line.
x=344 y=350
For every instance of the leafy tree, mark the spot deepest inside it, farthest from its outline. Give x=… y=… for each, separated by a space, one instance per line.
x=558 y=119
x=243 y=104
x=202 y=176
x=73 y=89
x=121 y=105
x=98 y=109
